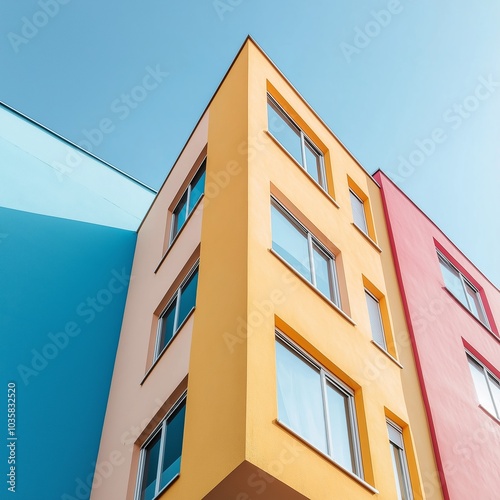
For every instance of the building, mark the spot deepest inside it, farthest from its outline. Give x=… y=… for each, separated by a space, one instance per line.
x=264 y=337
x=452 y=312
x=68 y=226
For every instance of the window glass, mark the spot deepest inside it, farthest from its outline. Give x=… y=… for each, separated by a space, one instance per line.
x=453 y=282
x=322 y=272
x=314 y=406
x=399 y=463
x=167 y=325
x=399 y=472
x=197 y=187
x=459 y=286
x=180 y=215
x=358 y=212
x=188 y=297
x=173 y=446
x=161 y=458
x=151 y=468
x=287 y=135
x=474 y=303
x=313 y=164
x=495 y=391
x=481 y=385
x=338 y=411
x=290 y=243
x=375 y=320
x=293 y=139
x=300 y=404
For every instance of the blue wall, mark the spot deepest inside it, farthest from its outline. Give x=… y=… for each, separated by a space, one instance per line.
x=63 y=287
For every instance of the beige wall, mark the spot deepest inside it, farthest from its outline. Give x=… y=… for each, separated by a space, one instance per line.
x=134 y=400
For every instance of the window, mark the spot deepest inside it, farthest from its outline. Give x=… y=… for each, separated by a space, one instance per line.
x=189 y=200
x=375 y=320
x=303 y=252
x=358 y=212
x=177 y=310
x=399 y=463
x=160 y=460
x=293 y=139
x=487 y=386
x=462 y=289
x=317 y=406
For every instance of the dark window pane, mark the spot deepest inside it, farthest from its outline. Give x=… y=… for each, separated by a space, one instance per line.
x=151 y=468
x=285 y=132
x=173 y=445
x=197 y=187
x=290 y=243
x=188 y=297
x=180 y=214
x=167 y=326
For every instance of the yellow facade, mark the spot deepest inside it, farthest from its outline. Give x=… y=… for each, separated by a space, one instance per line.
x=234 y=444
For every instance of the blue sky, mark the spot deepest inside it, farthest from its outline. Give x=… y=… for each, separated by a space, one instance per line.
x=397 y=81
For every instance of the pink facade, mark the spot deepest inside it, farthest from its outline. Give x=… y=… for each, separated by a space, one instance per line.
x=464 y=424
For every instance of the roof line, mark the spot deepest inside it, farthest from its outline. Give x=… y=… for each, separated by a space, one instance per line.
x=385 y=176
x=76 y=146
x=259 y=48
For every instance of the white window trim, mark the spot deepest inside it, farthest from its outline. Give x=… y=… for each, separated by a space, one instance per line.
x=175 y=298
x=326 y=376
x=161 y=427
x=384 y=334
x=304 y=139
x=311 y=241
x=487 y=373
x=406 y=471
x=188 y=199
x=465 y=282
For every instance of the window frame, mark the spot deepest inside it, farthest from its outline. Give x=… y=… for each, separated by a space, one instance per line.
x=381 y=320
x=312 y=241
x=162 y=428
x=187 y=193
x=364 y=229
x=482 y=318
x=305 y=141
x=327 y=377
x=403 y=459
x=161 y=317
x=487 y=375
